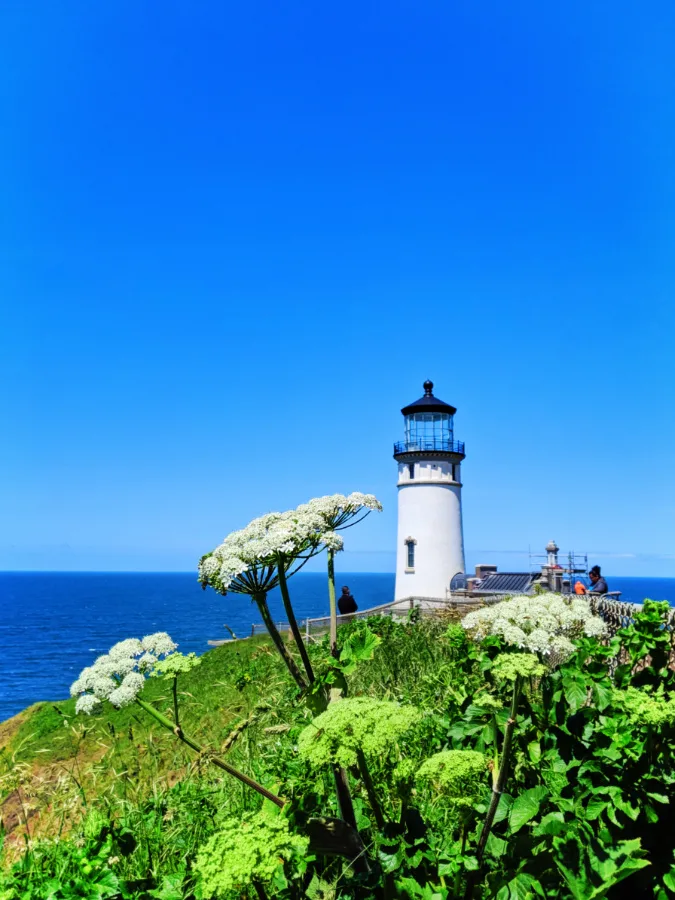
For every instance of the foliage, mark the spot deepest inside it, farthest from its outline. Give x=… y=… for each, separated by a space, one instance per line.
x=352 y=725
x=241 y=851
x=458 y=774
x=546 y=624
x=587 y=748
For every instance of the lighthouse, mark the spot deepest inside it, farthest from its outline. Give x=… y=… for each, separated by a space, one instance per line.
x=430 y=543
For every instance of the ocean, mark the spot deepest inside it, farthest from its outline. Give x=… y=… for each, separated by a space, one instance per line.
x=54 y=624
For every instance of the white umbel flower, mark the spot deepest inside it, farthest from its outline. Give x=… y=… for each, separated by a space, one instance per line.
x=87 y=704
x=129 y=689
x=119 y=676
x=546 y=624
x=159 y=643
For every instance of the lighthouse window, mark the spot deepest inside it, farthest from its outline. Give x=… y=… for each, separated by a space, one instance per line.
x=411 y=470
x=411 y=554
x=428 y=430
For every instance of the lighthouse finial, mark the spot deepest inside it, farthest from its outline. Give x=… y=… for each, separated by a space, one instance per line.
x=428 y=388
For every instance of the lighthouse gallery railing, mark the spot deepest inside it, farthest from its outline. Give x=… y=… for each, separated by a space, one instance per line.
x=434 y=444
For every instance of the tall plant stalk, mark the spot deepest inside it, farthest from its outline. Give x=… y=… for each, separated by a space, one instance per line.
x=260 y=598
x=498 y=782
x=220 y=763
x=370 y=790
x=292 y=621
x=331 y=601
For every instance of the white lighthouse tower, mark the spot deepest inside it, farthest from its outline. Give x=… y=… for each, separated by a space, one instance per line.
x=430 y=547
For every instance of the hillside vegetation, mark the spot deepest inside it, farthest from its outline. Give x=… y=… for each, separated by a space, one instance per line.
x=115 y=806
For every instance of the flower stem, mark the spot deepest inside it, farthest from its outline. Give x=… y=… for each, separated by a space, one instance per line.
x=292 y=621
x=497 y=787
x=331 y=600
x=220 y=763
x=174 y=691
x=261 y=599
x=370 y=790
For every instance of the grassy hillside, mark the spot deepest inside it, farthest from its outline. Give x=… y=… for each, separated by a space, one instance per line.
x=566 y=769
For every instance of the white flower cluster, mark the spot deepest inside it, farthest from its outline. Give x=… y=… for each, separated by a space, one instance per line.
x=288 y=534
x=544 y=623
x=119 y=675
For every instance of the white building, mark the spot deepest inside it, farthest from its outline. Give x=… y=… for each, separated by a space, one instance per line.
x=430 y=543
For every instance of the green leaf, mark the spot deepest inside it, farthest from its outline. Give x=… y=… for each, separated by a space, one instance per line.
x=534 y=750
x=669 y=880
x=602 y=694
x=522 y=887
x=574 y=685
x=496 y=846
x=525 y=807
x=595 y=808
x=171 y=888
x=553 y=823
x=503 y=808
x=360 y=647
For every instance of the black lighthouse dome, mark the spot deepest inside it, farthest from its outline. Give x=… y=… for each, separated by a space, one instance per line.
x=429 y=429
x=429 y=403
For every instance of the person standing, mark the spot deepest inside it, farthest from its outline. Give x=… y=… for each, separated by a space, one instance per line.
x=598 y=583
x=346 y=603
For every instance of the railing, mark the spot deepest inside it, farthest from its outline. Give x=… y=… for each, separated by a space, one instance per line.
x=421 y=446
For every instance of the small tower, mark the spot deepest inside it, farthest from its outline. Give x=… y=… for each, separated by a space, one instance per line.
x=430 y=544
x=552 y=554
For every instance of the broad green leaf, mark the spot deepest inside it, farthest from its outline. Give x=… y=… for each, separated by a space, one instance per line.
x=496 y=846
x=595 y=808
x=503 y=808
x=553 y=823
x=669 y=880
x=525 y=807
x=534 y=750
x=522 y=887
x=602 y=694
x=574 y=685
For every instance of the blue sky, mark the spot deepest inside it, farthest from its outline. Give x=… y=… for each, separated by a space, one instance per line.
x=236 y=238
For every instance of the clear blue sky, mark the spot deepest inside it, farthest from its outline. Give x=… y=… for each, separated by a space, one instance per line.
x=236 y=238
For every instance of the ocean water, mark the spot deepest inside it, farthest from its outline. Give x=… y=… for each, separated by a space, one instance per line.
x=54 y=624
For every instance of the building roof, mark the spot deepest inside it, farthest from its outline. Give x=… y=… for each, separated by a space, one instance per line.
x=428 y=403
x=506 y=583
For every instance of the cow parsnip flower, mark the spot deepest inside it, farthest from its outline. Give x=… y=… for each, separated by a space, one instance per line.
x=546 y=624
x=176 y=664
x=511 y=666
x=119 y=675
x=353 y=724
x=130 y=687
x=247 y=560
x=244 y=851
x=646 y=707
x=457 y=774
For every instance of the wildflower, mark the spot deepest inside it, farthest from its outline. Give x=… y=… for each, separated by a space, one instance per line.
x=353 y=724
x=511 y=666
x=332 y=540
x=118 y=676
x=242 y=852
x=176 y=664
x=247 y=560
x=646 y=707
x=126 y=648
x=131 y=686
x=545 y=624
x=87 y=704
x=159 y=643
x=458 y=774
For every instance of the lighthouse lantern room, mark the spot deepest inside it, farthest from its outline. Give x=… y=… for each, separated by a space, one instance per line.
x=430 y=547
